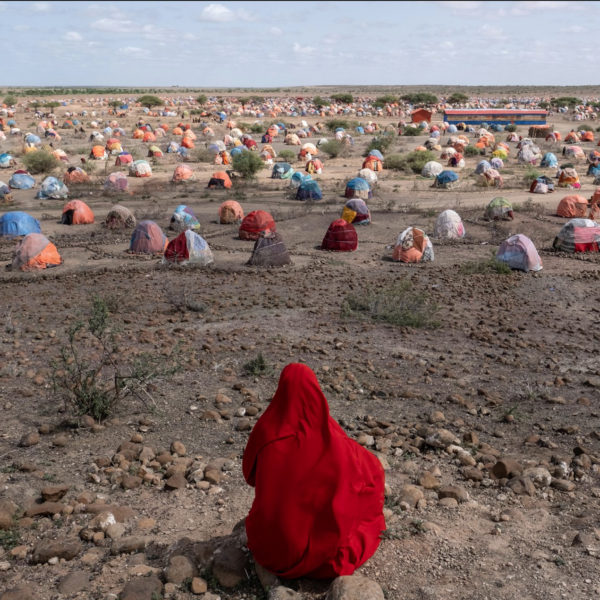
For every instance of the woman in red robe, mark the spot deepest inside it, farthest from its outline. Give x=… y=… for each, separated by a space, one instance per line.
x=318 y=505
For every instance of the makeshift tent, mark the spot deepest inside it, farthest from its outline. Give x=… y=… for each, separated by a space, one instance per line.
x=356 y=212
x=140 y=168
x=155 y=152
x=573 y=207
x=574 y=152
x=314 y=166
x=309 y=190
x=35 y=252
x=6 y=161
x=373 y=163
x=183 y=174
x=75 y=175
x=21 y=180
x=413 y=246
x=77 y=212
x=449 y=225
x=119 y=217
x=482 y=167
x=282 y=170
x=541 y=185
x=369 y=176
x=188 y=248
x=298 y=179
x=269 y=251
x=6 y=196
x=220 y=181
x=52 y=189
x=431 y=169
x=184 y=218
x=256 y=222
x=549 y=160
x=568 y=178
x=578 y=235
x=358 y=188
x=123 y=159
x=230 y=212
x=148 y=238
x=520 y=254
x=18 y=223
x=340 y=237
x=499 y=209
x=490 y=178
x=116 y=182
x=98 y=153
x=446 y=180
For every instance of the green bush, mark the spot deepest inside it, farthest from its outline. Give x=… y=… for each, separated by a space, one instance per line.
x=399 y=305
x=544 y=105
x=248 y=164
x=202 y=155
x=347 y=98
x=511 y=128
x=412 y=131
x=420 y=98
x=566 y=101
x=585 y=127
x=10 y=100
x=489 y=266
x=385 y=99
x=471 y=150
x=530 y=174
x=457 y=98
x=334 y=148
x=149 y=101
x=320 y=102
x=256 y=128
x=287 y=155
x=333 y=124
x=409 y=162
x=201 y=99
x=382 y=143
x=40 y=162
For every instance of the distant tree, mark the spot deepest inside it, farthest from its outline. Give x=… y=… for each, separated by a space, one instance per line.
x=149 y=101
x=544 y=105
x=201 y=99
x=320 y=102
x=52 y=104
x=383 y=100
x=35 y=104
x=569 y=101
x=248 y=164
x=115 y=104
x=420 y=98
x=346 y=98
x=10 y=100
x=457 y=98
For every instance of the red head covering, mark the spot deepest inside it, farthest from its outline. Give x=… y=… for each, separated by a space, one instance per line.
x=318 y=506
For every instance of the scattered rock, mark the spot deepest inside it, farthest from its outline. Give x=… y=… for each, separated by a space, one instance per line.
x=128 y=545
x=353 y=587
x=178 y=448
x=283 y=593
x=410 y=494
x=541 y=477
x=267 y=579
x=198 y=586
x=441 y=439
x=179 y=569
x=54 y=493
x=74 y=582
x=503 y=468
x=23 y=591
x=230 y=566
x=453 y=491
x=142 y=588
x=448 y=503
x=521 y=486
x=130 y=482
x=45 y=550
x=428 y=481
x=30 y=439
x=115 y=531
x=472 y=474
x=176 y=481
x=563 y=485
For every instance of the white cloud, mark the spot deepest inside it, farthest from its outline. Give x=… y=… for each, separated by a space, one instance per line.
x=276 y=31
x=113 y=25
x=94 y=10
x=217 y=13
x=334 y=38
x=3 y=6
x=21 y=28
x=526 y=7
x=134 y=52
x=189 y=37
x=493 y=33
x=461 y=7
x=447 y=45
x=576 y=29
x=72 y=36
x=298 y=49
x=41 y=6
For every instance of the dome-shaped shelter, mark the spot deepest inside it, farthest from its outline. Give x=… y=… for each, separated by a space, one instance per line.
x=520 y=254
x=282 y=170
x=124 y=158
x=573 y=207
x=482 y=167
x=21 y=180
x=98 y=153
x=490 y=178
x=18 y=223
x=52 y=189
x=449 y=226
x=269 y=251
x=578 y=235
x=183 y=219
x=358 y=188
x=188 y=248
x=75 y=175
x=219 y=181
x=119 y=217
x=413 y=246
x=549 y=161
x=183 y=174
x=77 y=212
x=298 y=179
x=230 y=212
x=148 y=238
x=568 y=178
x=116 y=182
x=446 y=180
x=431 y=169
x=340 y=237
x=254 y=223
x=499 y=209
x=140 y=168
x=35 y=252
x=541 y=185
x=373 y=163
x=356 y=212
x=309 y=190
x=369 y=176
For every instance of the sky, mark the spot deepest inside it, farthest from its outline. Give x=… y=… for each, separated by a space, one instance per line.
x=279 y=44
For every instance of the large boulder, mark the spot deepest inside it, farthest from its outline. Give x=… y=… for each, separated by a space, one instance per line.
x=44 y=550
x=142 y=588
x=230 y=566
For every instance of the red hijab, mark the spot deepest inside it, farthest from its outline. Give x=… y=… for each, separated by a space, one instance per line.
x=318 y=505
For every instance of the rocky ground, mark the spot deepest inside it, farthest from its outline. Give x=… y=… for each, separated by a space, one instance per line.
x=487 y=422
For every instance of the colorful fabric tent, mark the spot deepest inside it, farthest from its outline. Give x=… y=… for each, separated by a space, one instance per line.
x=18 y=223
x=358 y=188
x=282 y=170
x=499 y=209
x=520 y=254
x=446 y=180
x=75 y=175
x=35 y=252
x=356 y=212
x=256 y=222
x=298 y=179
x=230 y=212
x=541 y=185
x=116 y=182
x=77 y=212
x=340 y=237
x=140 y=168
x=309 y=190
x=184 y=218
x=549 y=160
x=578 y=235
x=369 y=176
x=52 y=189
x=449 y=225
x=21 y=180
x=119 y=217
x=188 y=248
x=568 y=178
x=413 y=246
x=573 y=207
x=219 y=180
x=269 y=251
x=123 y=159
x=431 y=169
x=148 y=238
x=183 y=174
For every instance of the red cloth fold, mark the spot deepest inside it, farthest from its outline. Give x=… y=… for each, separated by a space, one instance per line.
x=318 y=506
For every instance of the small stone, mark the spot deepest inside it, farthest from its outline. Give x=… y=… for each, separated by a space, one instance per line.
x=54 y=493
x=87 y=421
x=30 y=439
x=46 y=509
x=353 y=587
x=453 y=491
x=583 y=539
x=436 y=417
x=473 y=474
x=23 y=591
x=441 y=439
x=448 y=503
x=44 y=550
x=541 y=477
x=212 y=476
x=521 y=486
x=146 y=523
x=130 y=482
x=128 y=545
x=230 y=566
x=137 y=438
x=115 y=531
x=563 y=485
x=60 y=441
x=142 y=588
x=74 y=582
x=244 y=425
x=176 y=481
x=410 y=494
x=283 y=593
x=503 y=468
x=198 y=586
x=178 y=448
x=428 y=481
x=179 y=569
